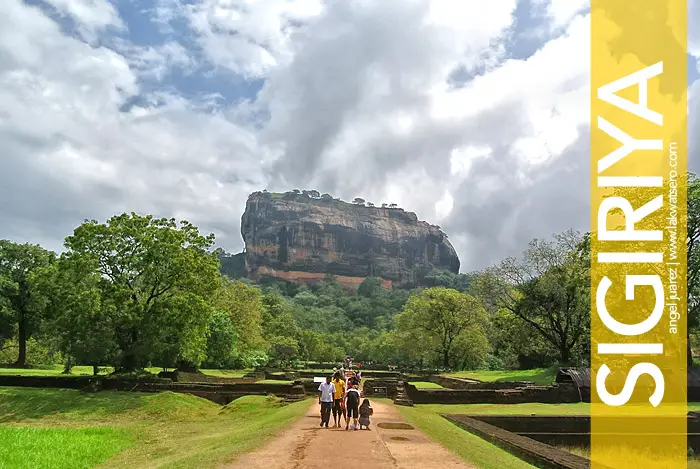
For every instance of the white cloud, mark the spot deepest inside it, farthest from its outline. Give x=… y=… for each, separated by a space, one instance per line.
x=461 y=158
x=155 y=62
x=443 y=207
x=249 y=36
x=69 y=153
x=561 y=12
x=91 y=16
x=356 y=102
x=693 y=30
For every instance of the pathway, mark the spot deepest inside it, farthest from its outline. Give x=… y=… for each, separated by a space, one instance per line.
x=305 y=445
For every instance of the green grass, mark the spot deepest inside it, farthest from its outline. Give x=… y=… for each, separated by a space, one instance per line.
x=226 y=373
x=20 y=404
x=49 y=370
x=426 y=385
x=541 y=376
x=274 y=381
x=468 y=446
x=56 y=370
x=579 y=408
x=167 y=429
x=24 y=447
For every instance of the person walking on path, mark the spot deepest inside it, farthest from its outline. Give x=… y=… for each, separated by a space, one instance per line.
x=365 y=412
x=355 y=379
x=352 y=404
x=339 y=392
x=325 y=398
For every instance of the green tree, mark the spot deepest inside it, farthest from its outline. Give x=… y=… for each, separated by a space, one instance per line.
x=221 y=343
x=549 y=289
x=18 y=309
x=371 y=287
x=79 y=322
x=244 y=306
x=436 y=319
x=445 y=278
x=517 y=344
x=283 y=349
x=158 y=276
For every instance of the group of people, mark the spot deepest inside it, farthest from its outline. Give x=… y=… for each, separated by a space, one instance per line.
x=340 y=395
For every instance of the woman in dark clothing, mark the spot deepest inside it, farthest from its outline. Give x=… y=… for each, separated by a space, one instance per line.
x=352 y=404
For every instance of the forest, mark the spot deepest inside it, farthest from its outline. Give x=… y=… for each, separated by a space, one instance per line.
x=139 y=291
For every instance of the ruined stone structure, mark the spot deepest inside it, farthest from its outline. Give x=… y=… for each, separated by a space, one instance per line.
x=301 y=238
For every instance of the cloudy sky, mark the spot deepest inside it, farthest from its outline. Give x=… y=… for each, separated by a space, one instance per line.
x=472 y=113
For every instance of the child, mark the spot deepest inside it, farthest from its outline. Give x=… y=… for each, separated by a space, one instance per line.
x=365 y=412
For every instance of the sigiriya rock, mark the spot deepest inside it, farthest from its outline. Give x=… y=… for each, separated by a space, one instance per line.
x=302 y=236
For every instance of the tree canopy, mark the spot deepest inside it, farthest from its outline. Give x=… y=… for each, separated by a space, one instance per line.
x=155 y=279
x=444 y=322
x=19 y=309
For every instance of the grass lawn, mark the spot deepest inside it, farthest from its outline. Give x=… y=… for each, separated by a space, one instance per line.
x=49 y=370
x=226 y=373
x=55 y=370
x=426 y=385
x=533 y=408
x=274 y=381
x=581 y=408
x=47 y=448
x=469 y=447
x=541 y=376
x=135 y=430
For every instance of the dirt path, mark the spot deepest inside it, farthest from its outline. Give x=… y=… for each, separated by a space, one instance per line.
x=305 y=445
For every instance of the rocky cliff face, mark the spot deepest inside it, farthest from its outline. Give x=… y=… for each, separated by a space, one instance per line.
x=302 y=238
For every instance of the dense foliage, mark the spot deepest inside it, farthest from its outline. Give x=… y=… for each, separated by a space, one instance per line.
x=137 y=291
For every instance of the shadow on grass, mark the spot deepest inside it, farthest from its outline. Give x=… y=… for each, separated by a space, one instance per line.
x=18 y=404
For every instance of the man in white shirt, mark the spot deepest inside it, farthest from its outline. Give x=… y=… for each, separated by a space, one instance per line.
x=325 y=398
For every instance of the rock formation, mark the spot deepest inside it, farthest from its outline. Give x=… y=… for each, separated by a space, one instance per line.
x=303 y=236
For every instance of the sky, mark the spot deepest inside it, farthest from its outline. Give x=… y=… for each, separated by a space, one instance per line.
x=472 y=114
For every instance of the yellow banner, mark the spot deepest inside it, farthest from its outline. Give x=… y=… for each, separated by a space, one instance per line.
x=638 y=233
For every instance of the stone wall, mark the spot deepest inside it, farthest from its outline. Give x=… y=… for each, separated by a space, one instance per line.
x=369 y=385
x=544 y=394
x=329 y=366
x=365 y=374
x=216 y=392
x=65 y=382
